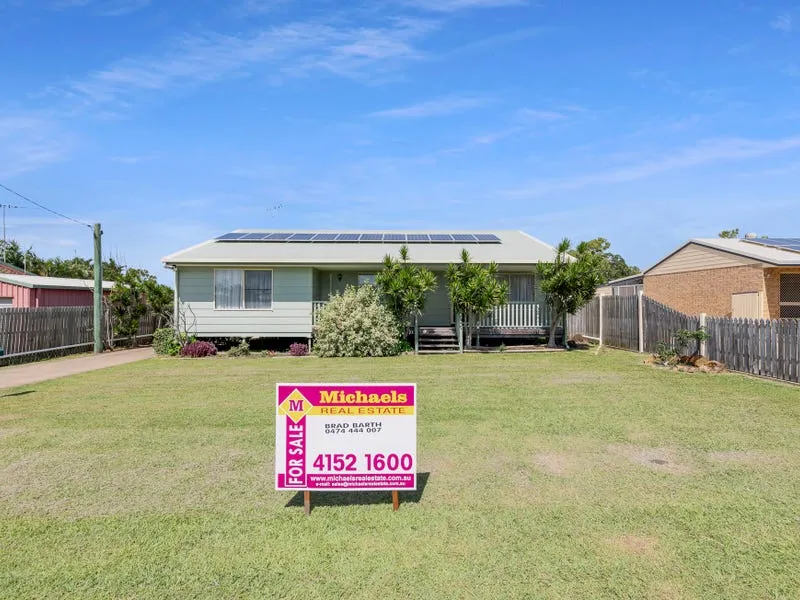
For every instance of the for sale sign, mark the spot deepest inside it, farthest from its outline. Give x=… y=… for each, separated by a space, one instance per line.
x=346 y=436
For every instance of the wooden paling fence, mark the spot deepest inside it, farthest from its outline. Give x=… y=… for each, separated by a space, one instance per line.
x=759 y=347
x=28 y=332
x=660 y=323
x=586 y=321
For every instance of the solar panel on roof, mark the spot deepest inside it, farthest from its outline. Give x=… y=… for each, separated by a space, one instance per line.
x=792 y=244
x=348 y=237
x=254 y=236
x=418 y=237
x=394 y=237
x=371 y=237
x=486 y=237
x=301 y=237
x=464 y=237
x=324 y=237
x=440 y=237
x=278 y=237
x=230 y=236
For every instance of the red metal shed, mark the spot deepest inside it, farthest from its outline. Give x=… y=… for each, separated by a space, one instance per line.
x=33 y=291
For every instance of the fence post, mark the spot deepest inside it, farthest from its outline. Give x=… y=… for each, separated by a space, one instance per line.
x=641 y=320
x=703 y=349
x=600 y=319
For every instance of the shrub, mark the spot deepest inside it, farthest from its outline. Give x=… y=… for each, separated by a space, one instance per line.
x=665 y=355
x=165 y=342
x=199 y=350
x=298 y=349
x=243 y=349
x=357 y=324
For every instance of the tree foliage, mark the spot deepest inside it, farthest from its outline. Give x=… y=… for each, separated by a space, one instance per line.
x=405 y=287
x=569 y=282
x=474 y=291
x=357 y=323
x=72 y=268
x=729 y=234
x=135 y=293
x=610 y=266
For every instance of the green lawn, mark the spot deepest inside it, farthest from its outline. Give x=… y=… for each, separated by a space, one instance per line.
x=570 y=475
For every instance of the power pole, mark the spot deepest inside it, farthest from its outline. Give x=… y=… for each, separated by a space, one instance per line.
x=98 y=289
x=5 y=206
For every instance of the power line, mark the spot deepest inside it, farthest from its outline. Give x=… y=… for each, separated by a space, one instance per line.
x=43 y=207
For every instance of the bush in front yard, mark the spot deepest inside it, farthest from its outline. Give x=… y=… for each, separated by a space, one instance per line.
x=357 y=324
x=199 y=350
x=298 y=349
x=165 y=342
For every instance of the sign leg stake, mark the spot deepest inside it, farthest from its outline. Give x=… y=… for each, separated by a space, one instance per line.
x=395 y=500
x=307 y=502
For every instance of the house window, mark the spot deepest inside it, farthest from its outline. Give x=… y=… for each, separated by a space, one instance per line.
x=790 y=296
x=6 y=302
x=237 y=289
x=366 y=278
x=520 y=287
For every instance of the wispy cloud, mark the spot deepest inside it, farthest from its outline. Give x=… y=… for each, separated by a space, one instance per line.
x=30 y=142
x=782 y=23
x=532 y=115
x=705 y=152
x=436 y=108
x=104 y=8
x=295 y=49
x=455 y=5
x=132 y=160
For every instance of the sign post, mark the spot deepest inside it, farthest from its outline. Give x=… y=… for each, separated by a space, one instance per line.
x=346 y=437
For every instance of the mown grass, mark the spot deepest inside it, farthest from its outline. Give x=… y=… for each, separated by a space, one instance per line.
x=570 y=475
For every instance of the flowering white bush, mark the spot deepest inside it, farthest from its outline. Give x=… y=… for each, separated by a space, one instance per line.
x=357 y=324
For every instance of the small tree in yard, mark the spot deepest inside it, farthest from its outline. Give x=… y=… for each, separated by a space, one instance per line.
x=474 y=291
x=128 y=303
x=568 y=284
x=135 y=293
x=405 y=288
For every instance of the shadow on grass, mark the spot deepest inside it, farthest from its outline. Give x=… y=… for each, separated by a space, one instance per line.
x=320 y=498
x=25 y=393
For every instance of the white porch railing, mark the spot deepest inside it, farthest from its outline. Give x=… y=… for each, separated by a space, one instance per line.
x=316 y=307
x=518 y=315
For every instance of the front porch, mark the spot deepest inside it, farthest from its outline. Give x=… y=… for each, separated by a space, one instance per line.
x=513 y=318
x=525 y=314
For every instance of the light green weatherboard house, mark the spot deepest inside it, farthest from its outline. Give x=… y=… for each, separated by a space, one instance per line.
x=272 y=284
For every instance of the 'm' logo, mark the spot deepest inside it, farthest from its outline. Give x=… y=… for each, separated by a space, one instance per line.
x=295 y=406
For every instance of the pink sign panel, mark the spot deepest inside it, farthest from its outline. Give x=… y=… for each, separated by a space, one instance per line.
x=354 y=436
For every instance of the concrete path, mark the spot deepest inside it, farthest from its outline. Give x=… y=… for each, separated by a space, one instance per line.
x=18 y=375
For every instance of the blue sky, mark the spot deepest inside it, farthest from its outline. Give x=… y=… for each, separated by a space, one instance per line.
x=172 y=122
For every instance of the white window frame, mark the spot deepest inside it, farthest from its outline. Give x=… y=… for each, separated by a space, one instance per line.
x=242 y=269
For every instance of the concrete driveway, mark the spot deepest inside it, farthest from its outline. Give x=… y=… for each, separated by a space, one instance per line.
x=19 y=375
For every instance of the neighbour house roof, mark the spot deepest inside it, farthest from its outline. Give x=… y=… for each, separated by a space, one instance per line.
x=8 y=269
x=742 y=247
x=513 y=248
x=59 y=283
x=636 y=279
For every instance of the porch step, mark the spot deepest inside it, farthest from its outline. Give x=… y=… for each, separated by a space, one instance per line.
x=437 y=340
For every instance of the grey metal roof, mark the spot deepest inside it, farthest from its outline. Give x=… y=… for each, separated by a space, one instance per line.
x=62 y=283
x=740 y=247
x=515 y=248
x=635 y=279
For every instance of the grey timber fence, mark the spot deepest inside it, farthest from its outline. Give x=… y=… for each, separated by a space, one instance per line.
x=33 y=333
x=758 y=347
